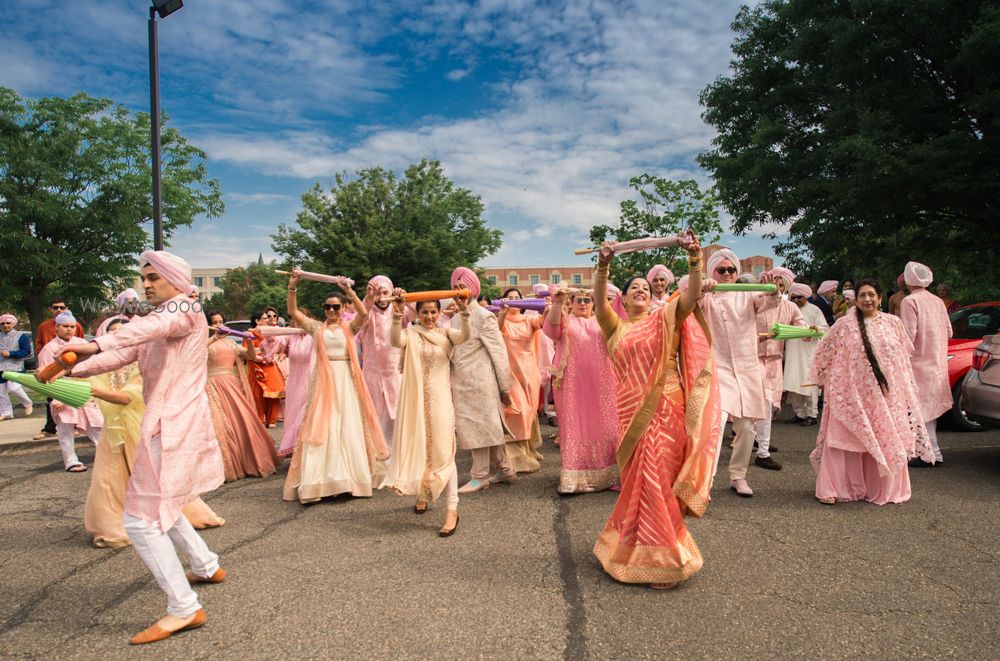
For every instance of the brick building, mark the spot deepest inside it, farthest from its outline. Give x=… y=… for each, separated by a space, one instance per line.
x=523 y=277
x=756 y=264
x=208 y=282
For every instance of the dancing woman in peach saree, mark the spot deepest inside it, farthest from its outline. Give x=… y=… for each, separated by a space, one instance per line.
x=668 y=413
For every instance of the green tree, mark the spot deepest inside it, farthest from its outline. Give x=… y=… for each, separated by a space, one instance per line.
x=245 y=290
x=665 y=207
x=415 y=229
x=866 y=130
x=76 y=195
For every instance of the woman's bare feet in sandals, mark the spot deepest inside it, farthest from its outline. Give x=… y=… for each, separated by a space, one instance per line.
x=827 y=501
x=663 y=586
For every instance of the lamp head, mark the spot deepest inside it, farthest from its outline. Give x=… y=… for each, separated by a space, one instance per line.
x=167 y=7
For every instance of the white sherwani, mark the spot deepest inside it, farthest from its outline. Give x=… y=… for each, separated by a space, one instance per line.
x=479 y=373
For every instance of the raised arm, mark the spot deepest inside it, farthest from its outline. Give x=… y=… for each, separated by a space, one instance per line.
x=690 y=297
x=397 y=337
x=359 y=307
x=462 y=334
x=553 y=319
x=293 y=303
x=606 y=316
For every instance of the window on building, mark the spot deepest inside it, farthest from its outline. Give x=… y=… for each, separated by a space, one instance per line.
x=577 y=279
x=555 y=278
x=534 y=279
x=199 y=281
x=757 y=270
x=217 y=281
x=492 y=279
x=512 y=279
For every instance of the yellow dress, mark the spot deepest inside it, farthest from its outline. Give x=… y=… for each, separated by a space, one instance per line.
x=104 y=510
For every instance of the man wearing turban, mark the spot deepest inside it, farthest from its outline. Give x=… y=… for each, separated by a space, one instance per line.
x=799 y=354
x=178 y=458
x=15 y=346
x=44 y=334
x=926 y=321
x=660 y=279
x=480 y=386
x=823 y=299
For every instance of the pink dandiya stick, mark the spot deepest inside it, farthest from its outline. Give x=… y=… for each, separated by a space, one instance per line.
x=320 y=277
x=636 y=245
x=279 y=331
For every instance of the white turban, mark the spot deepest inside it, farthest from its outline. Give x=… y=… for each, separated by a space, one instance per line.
x=719 y=256
x=917 y=275
x=65 y=317
x=8 y=317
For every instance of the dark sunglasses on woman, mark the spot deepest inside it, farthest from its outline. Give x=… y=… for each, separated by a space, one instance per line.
x=331 y=306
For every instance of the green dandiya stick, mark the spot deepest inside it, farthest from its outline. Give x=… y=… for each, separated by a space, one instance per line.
x=745 y=286
x=787 y=332
x=73 y=392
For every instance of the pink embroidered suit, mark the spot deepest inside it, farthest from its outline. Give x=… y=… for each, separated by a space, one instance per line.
x=178 y=458
x=583 y=383
x=866 y=436
x=301 y=363
x=380 y=364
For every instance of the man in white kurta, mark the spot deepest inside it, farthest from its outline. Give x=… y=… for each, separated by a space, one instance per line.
x=732 y=318
x=480 y=384
x=88 y=418
x=926 y=321
x=178 y=457
x=799 y=354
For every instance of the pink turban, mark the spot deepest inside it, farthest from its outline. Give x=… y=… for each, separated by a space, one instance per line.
x=381 y=282
x=128 y=295
x=917 y=275
x=683 y=284
x=849 y=294
x=8 y=317
x=782 y=272
x=65 y=317
x=799 y=289
x=827 y=286
x=719 y=256
x=659 y=269
x=466 y=277
x=173 y=269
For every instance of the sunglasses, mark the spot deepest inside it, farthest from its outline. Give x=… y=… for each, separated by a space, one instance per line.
x=271 y=315
x=722 y=270
x=332 y=306
x=57 y=307
x=583 y=300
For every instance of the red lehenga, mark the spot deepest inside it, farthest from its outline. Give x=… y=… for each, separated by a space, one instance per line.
x=669 y=419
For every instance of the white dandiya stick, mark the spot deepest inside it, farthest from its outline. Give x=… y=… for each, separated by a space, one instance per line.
x=278 y=331
x=320 y=277
x=636 y=245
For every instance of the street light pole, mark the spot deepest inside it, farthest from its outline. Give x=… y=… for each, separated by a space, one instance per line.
x=154 y=122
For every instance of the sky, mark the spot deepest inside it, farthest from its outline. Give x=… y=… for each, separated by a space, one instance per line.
x=545 y=110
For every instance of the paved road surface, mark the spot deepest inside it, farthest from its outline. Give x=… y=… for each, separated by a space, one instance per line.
x=366 y=578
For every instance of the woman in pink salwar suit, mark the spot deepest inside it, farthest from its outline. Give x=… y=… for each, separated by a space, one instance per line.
x=871 y=423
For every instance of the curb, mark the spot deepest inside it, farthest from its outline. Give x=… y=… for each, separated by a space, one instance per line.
x=7 y=448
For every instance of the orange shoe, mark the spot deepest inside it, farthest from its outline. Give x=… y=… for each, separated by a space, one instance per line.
x=218 y=577
x=156 y=633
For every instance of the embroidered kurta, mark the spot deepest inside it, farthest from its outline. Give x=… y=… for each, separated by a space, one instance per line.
x=668 y=413
x=799 y=353
x=770 y=351
x=424 y=443
x=732 y=316
x=87 y=416
x=178 y=458
x=479 y=373
x=380 y=365
x=858 y=417
x=926 y=321
x=583 y=382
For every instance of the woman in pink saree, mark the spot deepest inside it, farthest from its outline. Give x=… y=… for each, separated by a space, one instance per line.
x=581 y=377
x=872 y=423
x=520 y=334
x=668 y=413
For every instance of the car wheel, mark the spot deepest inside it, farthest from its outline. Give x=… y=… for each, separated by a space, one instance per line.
x=956 y=416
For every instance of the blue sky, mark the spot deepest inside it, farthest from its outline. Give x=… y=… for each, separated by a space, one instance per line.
x=544 y=109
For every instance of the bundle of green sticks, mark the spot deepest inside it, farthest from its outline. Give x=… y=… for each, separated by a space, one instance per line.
x=786 y=332
x=746 y=286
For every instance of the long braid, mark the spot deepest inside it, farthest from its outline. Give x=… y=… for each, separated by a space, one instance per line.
x=872 y=360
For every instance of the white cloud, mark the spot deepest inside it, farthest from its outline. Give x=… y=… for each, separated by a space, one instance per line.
x=457 y=74
x=240 y=199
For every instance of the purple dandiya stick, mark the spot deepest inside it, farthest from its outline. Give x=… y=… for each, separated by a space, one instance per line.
x=225 y=330
x=534 y=304
x=493 y=308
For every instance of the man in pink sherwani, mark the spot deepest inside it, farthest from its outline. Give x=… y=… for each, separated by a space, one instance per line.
x=178 y=456
x=380 y=360
x=926 y=321
x=68 y=420
x=771 y=353
x=732 y=318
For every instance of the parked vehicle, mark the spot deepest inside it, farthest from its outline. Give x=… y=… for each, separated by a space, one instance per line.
x=981 y=386
x=969 y=326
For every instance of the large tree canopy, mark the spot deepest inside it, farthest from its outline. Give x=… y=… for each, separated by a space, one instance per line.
x=76 y=195
x=415 y=229
x=247 y=289
x=667 y=207
x=866 y=128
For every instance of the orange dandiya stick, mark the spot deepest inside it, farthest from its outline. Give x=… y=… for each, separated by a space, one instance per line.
x=434 y=295
x=68 y=360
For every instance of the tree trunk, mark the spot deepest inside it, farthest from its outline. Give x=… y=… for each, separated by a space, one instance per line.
x=35 y=303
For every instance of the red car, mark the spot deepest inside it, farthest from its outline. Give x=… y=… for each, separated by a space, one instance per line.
x=968 y=325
